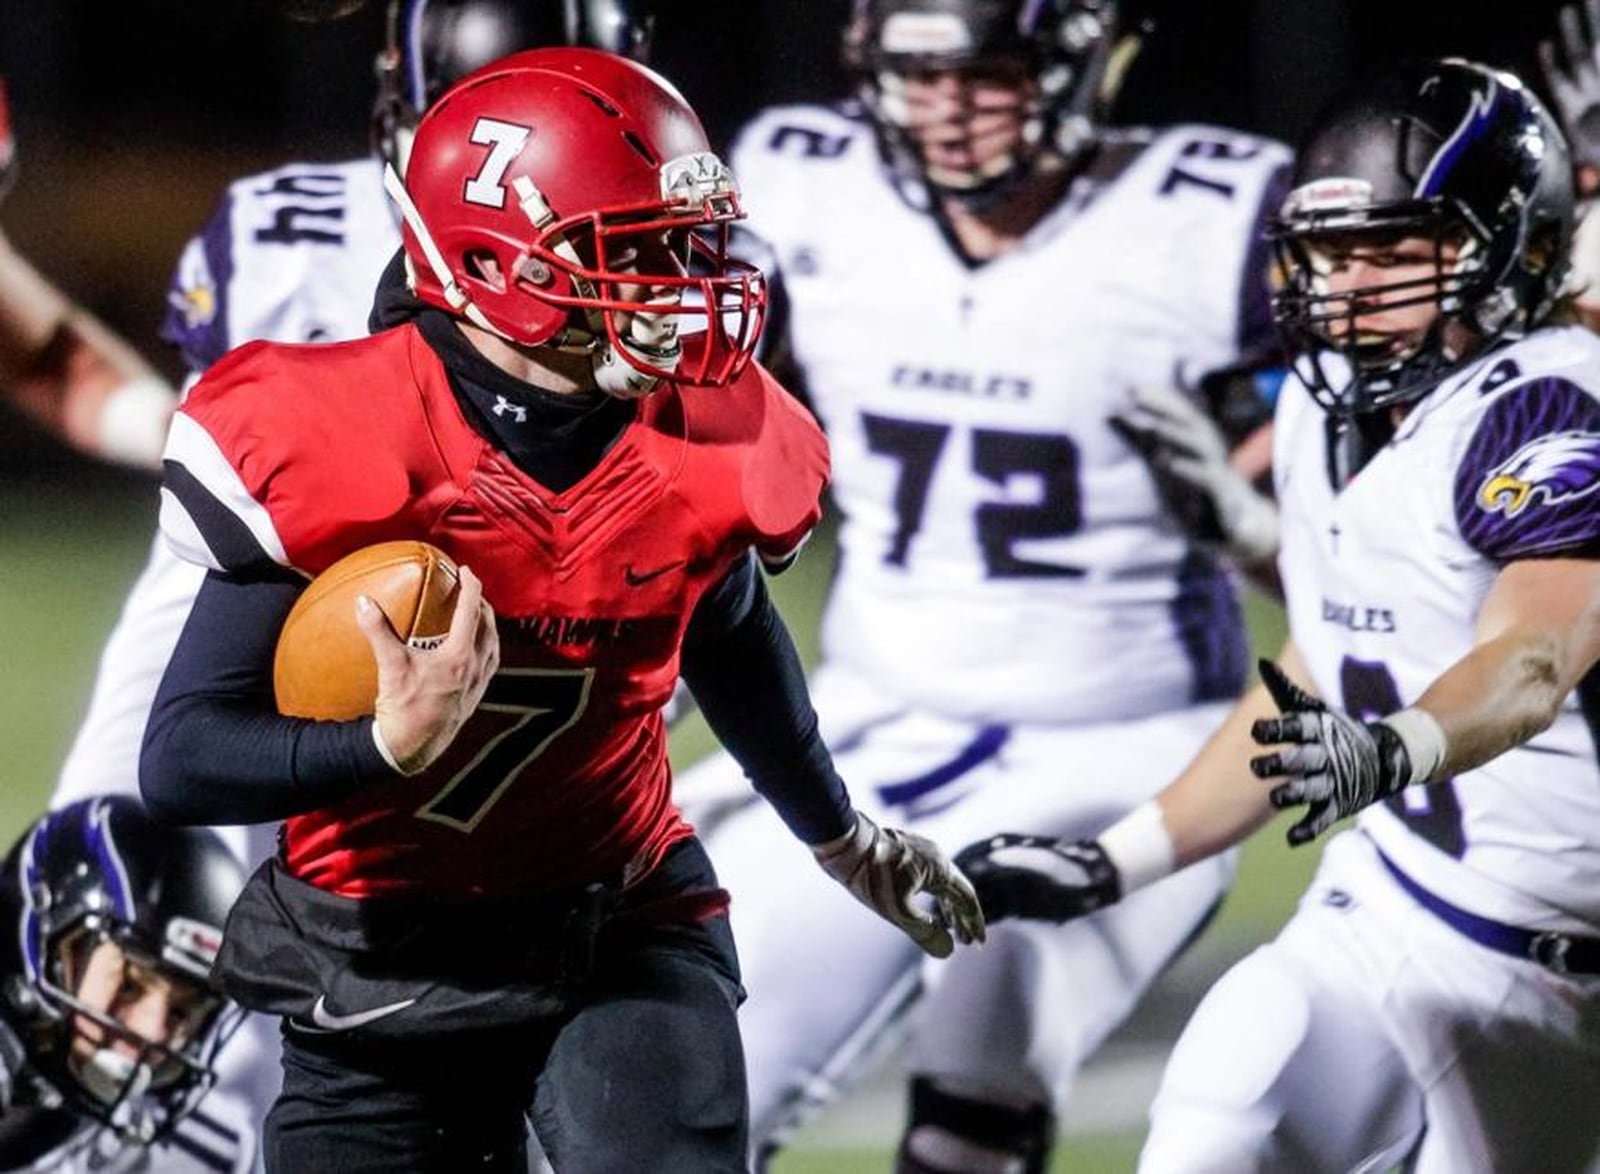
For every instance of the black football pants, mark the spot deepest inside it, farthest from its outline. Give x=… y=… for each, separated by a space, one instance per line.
x=638 y=1067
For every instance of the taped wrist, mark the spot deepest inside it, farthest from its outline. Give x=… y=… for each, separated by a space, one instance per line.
x=1415 y=745
x=1139 y=847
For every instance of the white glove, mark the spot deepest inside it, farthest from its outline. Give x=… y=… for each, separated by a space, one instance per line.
x=1187 y=454
x=887 y=870
x=1574 y=79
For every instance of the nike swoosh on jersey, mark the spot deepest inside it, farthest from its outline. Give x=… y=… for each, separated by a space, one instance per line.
x=637 y=579
x=325 y=1020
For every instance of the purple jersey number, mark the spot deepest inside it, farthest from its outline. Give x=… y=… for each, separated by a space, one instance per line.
x=1432 y=811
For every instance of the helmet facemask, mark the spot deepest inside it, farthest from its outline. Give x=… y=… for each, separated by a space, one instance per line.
x=1444 y=162
x=948 y=83
x=1447 y=266
x=117 y=926
x=98 y=975
x=654 y=292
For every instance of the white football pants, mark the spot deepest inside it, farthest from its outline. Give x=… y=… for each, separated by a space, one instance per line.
x=1369 y=1024
x=104 y=759
x=1015 y=1018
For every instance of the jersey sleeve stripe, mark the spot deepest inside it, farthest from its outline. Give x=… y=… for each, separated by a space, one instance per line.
x=204 y=499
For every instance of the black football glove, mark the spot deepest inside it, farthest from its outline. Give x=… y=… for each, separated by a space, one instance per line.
x=1039 y=877
x=1335 y=765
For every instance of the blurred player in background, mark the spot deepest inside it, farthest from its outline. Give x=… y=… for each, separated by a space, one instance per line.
x=1441 y=559
x=294 y=255
x=64 y=369
x=482 y=910
x=108 y=1028
x=1571 y=67
x=999 y=304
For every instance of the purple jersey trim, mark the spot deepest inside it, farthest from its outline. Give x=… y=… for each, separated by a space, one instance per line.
x=1529 y=483
x=1210 y=626
x=1257 y=329
x=196 y=321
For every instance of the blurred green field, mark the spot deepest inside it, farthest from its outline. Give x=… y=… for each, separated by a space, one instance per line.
x=71 y=556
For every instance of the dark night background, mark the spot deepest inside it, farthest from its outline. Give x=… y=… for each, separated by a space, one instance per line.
x=132 y=116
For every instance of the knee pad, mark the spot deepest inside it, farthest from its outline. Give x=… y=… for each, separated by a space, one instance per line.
x=952 y=1134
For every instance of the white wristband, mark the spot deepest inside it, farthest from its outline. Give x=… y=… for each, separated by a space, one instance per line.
x=1139 y=847
x=1424 y=740
x=383 y=749
x=133 y=422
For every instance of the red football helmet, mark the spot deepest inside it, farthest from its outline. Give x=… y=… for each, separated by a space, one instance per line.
x=557 y=197
x=8 y=146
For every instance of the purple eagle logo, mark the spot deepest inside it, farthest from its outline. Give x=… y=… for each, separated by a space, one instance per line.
x=1551 y=469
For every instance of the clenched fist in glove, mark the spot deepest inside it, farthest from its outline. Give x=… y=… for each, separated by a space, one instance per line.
x=1334 y=764
x=887 y=870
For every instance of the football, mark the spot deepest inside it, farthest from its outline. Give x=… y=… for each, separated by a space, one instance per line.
x=324 y=667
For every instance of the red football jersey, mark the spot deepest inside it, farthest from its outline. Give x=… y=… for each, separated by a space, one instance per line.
x=561 y=778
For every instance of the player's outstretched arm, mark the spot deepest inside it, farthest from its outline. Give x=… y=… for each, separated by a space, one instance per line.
x=1215 y=803
x=64 y=369
x=1538 y=634
x=1537 y=637
x=426 y=695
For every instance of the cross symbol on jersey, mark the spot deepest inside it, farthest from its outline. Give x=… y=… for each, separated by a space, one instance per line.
x=502 y=405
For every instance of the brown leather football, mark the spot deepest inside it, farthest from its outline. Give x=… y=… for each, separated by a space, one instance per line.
x=324 y=666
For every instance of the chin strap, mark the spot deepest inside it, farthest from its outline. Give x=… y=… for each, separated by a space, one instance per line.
x=453 y=293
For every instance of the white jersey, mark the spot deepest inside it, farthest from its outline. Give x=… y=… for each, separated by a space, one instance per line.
x=1004 y=554
x=1384 y=580
x=211 y=1140
x=291 y=255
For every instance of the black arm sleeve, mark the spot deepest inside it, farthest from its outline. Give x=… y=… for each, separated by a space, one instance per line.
x=216 y=750
x=742 y=668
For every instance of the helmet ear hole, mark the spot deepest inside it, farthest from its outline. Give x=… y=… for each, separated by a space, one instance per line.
x=1545 y=248
x=483 y=266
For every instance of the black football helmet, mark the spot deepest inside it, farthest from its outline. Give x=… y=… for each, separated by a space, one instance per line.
x=101 y=870
x=1064 y=46
x=1450 y=151
x=431 y=43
